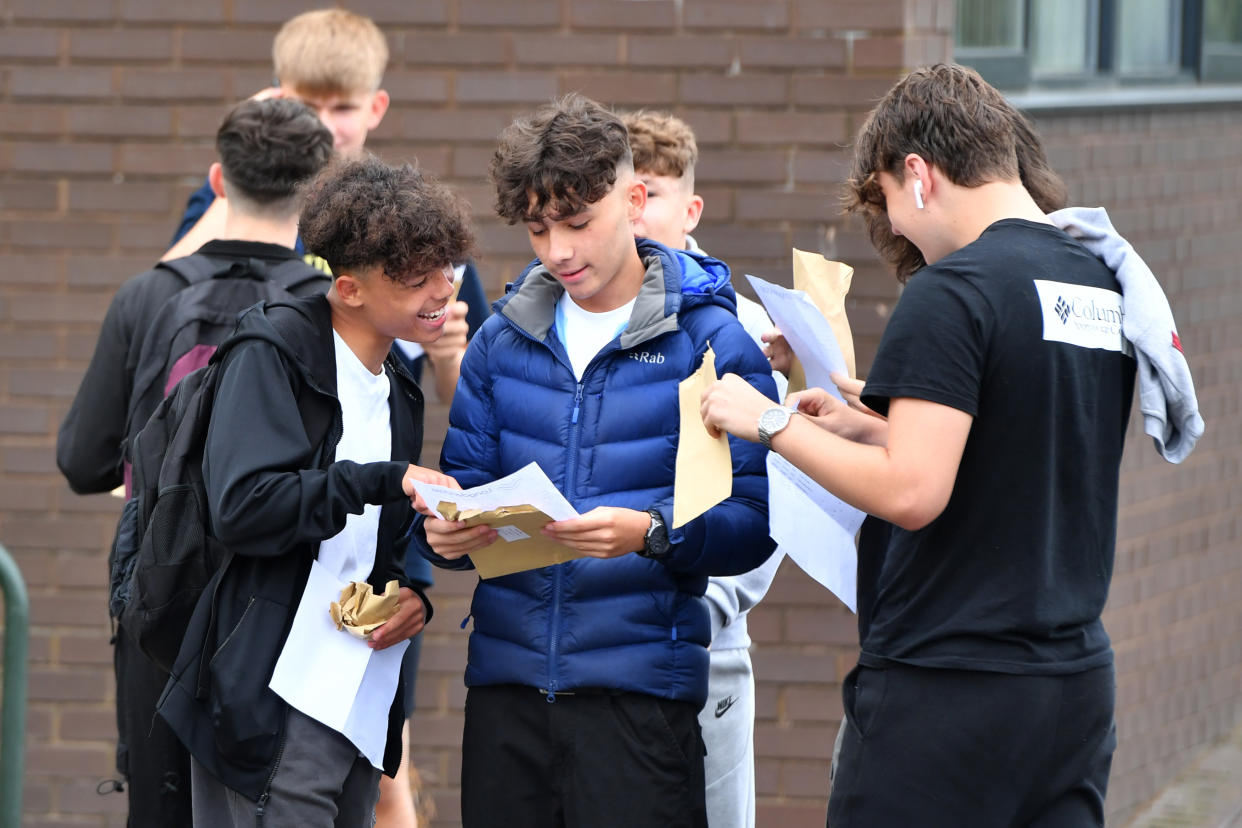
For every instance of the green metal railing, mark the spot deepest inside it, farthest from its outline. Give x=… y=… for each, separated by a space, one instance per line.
x=13 y=722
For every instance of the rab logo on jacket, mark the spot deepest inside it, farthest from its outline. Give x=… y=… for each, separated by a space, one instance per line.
x=646 y=356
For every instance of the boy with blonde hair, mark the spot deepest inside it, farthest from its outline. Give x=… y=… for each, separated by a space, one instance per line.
x=665 y=153
x=333 y=61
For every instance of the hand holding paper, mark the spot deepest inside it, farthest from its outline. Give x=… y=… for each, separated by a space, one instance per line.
x=419 y=474
x=360 y=610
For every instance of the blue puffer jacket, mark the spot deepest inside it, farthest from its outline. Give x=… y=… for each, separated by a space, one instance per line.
x=627 y=623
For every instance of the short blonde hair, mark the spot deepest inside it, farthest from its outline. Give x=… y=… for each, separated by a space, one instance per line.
x=662 y=143
x=330 y=52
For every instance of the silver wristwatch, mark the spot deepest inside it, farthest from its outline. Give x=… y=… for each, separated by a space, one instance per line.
x=772 y=421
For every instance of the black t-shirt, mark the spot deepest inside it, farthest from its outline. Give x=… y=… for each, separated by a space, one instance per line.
x=1022 y=330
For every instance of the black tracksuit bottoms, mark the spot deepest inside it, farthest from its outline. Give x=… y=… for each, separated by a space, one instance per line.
x=934 y=747
x=589 y=759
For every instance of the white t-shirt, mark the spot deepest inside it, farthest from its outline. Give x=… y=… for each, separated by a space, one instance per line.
x=583 y=333
x=366 y=438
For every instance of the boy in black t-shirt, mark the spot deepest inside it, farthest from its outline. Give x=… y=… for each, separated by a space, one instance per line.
x=984 y=691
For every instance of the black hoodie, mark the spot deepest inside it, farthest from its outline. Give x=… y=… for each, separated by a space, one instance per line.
x=275 y=493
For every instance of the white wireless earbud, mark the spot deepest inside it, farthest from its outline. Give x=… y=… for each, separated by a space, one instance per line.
x=918 y=193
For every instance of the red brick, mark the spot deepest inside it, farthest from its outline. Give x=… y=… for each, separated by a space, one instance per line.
x=797 y=127
x=735 y=90
x=78 y=723
x=85 y=651
x=79 y=796
x=879 y=53
x=851 y=15
x=151 y=234
x=200 y=121
x=267 y=11
x=59 y=533
x=504 y=14
x=83 y=10
x=58 y=234
x=29 y=44
x=454 y=125
x=444 y=49
x=417 y=87
x=803 y=741
x=111 y=195
x=784 y=666
x=165 y=159
x=623 y=14
x=121 y=45
x=505 y=87
x=110 y=271
x=120 y=121
x=27 y=119
x=679 y=51
x=152 y=11
x=24 y=345
x=59 y=82
x=816 y=167
x=715 y=14
x=226 y=46
x=623 y=89
x=792 y=815
x=793 y=53
x=24 y=497
x=173 y=84
x=826 y=90
x=42 y=383
x=24 y=419
x=70 y=760
x=762 y=206
x=62 y=158
x=728 y=242
x=27 y=195
x=711 y=126
x=567 y=50
x=750 y=166
x=472 y=162
x=385 y=12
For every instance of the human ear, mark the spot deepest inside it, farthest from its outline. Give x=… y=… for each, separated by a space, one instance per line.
x=215 y=177
x=349 y=288
x=636 y=199
x=694 y=211
x=379 y=106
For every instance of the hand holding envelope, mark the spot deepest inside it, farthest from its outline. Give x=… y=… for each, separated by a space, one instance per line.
x=360 y=611
x=704 y=467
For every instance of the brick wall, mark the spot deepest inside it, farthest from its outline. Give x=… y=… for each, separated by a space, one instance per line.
x=107 y=111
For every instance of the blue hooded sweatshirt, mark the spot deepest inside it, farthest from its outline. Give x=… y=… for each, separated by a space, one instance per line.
x=626 y=623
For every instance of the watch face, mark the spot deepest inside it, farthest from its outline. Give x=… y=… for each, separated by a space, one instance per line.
x=774 y=419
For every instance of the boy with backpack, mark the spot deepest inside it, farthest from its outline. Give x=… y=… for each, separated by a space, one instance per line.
x=665 y=154
x=585 y=679
x=267 y=149
x=307 y=466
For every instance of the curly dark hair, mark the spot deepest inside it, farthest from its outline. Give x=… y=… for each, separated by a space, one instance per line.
x=270 y=148
x=999 y=127
x=563 y=156
x=362 y=213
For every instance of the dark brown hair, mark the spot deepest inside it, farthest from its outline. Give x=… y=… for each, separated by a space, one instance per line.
x=269 y=149
x=564 y=156
x=1001 y=129
x=362 y=213
x=662 y=143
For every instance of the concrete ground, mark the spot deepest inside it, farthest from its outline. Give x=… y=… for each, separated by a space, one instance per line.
x=1206 y=795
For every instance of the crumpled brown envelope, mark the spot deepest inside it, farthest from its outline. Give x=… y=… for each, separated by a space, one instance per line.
x=826 y=283
x=360 y=611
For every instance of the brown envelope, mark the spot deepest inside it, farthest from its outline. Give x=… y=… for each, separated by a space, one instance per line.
x=360 y=610
x=521 y=545
x=704 y=468
x=826 y=283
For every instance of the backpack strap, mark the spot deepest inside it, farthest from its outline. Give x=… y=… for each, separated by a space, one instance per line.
x=193 y=269
x=294 y=273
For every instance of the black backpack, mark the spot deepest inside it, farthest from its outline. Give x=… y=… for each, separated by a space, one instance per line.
x=166 y=525
x=195 y=320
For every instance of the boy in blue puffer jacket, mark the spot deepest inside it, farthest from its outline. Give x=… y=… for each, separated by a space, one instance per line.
x=585 y=679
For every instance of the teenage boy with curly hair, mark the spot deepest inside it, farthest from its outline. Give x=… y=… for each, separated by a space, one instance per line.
x=585 y=679
x=310 y=448
x=984 y=691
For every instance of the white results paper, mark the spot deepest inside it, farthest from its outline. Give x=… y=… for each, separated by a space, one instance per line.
x=807 y=331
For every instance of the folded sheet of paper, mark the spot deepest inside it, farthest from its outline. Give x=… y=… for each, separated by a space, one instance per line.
x=704 y=468
x=807 y=331
x=814 y=528
x=826 y=283
x=360 y=611
x=517 y=506
x=333 y=677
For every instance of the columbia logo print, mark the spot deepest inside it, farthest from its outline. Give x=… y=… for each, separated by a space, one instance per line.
x=1062 y=308
x=645 y=356
x=722 y=706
